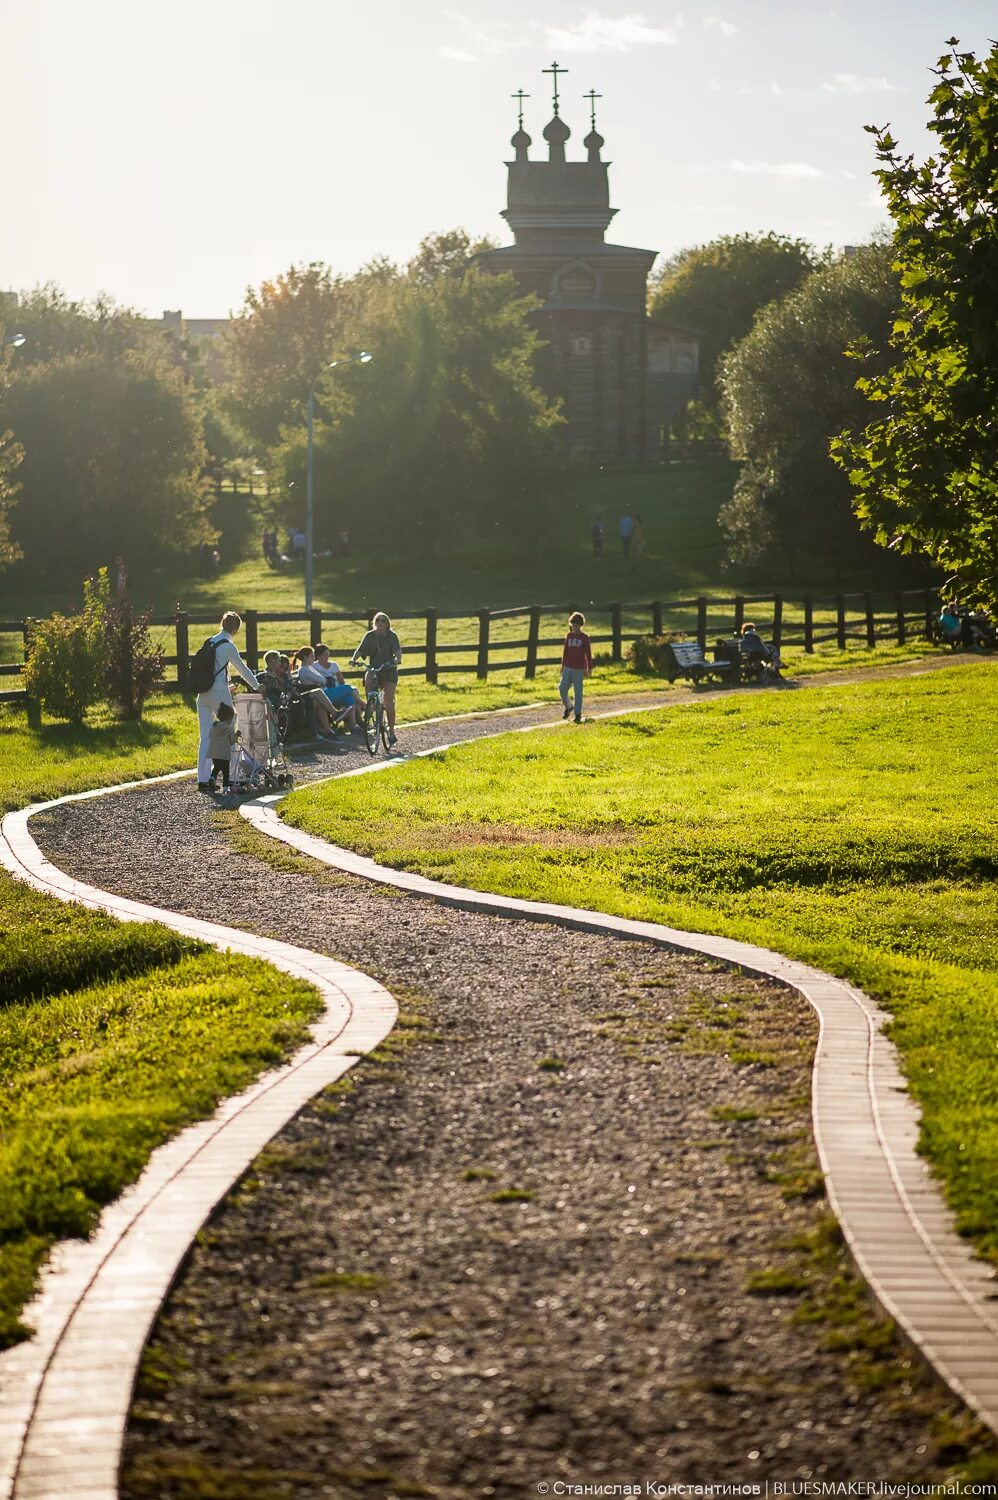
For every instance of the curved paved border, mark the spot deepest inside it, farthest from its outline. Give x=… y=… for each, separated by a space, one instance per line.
x=866 y=1125
x=65 y=1394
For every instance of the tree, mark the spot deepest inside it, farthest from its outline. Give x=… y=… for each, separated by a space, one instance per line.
x=11 y=454
x=277 y=345
x=55 y=327
x=113 y=460
x=718 y=288
x=448 y=254
x=786 y=389
x=925 y=468
x=445 y=426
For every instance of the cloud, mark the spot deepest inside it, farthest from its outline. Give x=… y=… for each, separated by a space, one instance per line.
x=484 y=39
x=715 y=23
x=597 y=33
x=848 y=176
x=774 y=88
x=851 y=83
x=775 y=168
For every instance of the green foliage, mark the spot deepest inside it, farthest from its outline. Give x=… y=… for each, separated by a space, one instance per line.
x=716 y=289
x=286 y=333
x=113 y=455
x=814 y=823
x=104 y=653
x=648 y=655
x=11 y=454
x=445 y=428
x=132 y=666
x=65 y=665
x=449 y=254
x=56 y=327
x=786 y=389
x=924 y=465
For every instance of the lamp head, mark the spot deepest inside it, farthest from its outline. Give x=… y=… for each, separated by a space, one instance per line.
x=17 y=339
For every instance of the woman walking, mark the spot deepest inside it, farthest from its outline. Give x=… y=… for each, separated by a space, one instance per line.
x=224 y=655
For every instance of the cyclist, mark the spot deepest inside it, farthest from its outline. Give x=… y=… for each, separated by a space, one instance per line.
x=381 y=649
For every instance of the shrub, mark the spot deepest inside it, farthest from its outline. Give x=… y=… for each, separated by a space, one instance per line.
x=132 y=666
x=65 y=668
x=647 y=654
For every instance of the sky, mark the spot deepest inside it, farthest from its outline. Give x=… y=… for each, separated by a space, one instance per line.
x=173 y=154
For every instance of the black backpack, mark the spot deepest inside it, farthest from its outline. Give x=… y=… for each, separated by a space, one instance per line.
x=202 y=671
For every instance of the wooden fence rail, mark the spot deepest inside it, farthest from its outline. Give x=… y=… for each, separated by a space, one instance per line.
x=856 y=617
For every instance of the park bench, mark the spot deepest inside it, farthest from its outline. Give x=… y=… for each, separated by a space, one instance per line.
x=686 y=659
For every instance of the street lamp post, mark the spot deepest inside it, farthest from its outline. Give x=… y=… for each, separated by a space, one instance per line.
x=362 y=358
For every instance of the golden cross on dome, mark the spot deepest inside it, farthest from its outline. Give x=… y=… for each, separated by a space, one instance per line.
x=520 y=95
x=592 y=96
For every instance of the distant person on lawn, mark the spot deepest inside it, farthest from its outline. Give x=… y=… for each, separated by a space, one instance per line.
x=576 y=665
x=599 y=532
x=382 y=650
x=626 y=529
x=226 y=656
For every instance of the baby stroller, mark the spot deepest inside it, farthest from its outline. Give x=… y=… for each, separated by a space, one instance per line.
x=258 y=763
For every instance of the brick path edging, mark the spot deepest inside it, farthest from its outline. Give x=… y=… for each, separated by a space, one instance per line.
x=891 y=1210
x=65 y=1394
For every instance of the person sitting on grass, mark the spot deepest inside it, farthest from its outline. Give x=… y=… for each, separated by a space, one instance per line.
x=576 y=665
x=221 y=743
x=311 y=685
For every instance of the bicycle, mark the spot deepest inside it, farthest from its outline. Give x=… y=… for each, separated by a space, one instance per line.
x=375 y=718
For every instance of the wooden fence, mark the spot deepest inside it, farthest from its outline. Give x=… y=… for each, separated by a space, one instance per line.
x=487 y=647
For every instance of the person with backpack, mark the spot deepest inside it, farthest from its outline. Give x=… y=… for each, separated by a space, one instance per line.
x=208 y=676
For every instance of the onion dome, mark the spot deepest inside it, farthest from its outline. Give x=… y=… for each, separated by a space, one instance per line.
x=556 y=133
x=521 y=143
x=594 y=144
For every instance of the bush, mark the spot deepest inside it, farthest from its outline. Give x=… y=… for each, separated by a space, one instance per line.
x=65 y=667
x=132 y=667
x=647 y=654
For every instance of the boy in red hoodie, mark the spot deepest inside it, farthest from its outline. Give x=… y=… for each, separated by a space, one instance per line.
x=576 y=665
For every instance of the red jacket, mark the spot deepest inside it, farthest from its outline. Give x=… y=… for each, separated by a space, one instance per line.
x=577 y=652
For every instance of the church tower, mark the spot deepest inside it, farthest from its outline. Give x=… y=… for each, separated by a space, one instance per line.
x=592 y=295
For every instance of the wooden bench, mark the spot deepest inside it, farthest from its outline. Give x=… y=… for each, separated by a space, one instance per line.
x=686 y=659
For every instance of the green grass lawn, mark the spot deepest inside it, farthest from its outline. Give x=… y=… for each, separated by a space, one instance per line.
x=112 y=1035
x=849 y=826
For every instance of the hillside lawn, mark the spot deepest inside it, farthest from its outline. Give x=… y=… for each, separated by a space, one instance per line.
x=850 y=826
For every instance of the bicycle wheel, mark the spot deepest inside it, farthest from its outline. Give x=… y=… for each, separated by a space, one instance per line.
x=385 y=731
x=372 y=724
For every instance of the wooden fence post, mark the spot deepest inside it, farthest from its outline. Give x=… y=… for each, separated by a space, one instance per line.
x=899 y=610
x=702 y=623
x=739 y=613
x=314 y=626
x=809 y=624
x=252 y=640
x=656 y=617
x=431 y=646
x=929 y=614
x=777 y=622
x=871 y=624
x=483 y=644
x=533 y=636
x=840 y=620
x=616 y=645
x=183 y=650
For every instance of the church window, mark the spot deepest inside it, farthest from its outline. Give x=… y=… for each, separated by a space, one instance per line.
x=582 y=343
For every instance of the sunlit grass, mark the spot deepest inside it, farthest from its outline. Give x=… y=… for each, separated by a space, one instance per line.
x=850 y=826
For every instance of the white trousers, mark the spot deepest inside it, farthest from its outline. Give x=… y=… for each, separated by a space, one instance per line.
x=207 y=706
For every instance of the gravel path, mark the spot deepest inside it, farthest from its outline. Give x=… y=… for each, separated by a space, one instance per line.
x=520 y=1246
